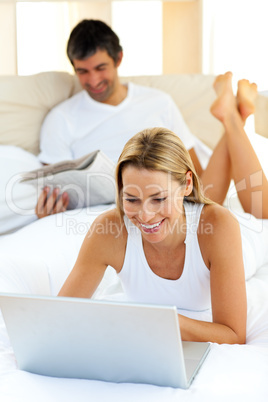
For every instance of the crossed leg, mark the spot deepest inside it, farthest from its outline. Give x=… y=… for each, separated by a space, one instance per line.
x=234 y=155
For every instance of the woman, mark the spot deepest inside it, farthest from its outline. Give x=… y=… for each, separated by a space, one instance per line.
x=167 y=242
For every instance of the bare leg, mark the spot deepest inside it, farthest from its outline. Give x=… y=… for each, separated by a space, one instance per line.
x=217 y=176
x=250 y=181
x=246 y=95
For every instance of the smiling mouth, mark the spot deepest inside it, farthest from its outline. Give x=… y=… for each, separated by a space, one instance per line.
x=151 y=228
x=100 y=88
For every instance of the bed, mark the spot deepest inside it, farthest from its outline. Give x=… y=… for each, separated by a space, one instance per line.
x=230 y=372
x=36 y=257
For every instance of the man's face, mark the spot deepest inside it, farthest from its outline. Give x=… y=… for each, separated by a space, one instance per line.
x=98 y=75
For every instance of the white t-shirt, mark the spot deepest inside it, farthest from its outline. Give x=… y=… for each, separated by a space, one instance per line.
x=80 y=124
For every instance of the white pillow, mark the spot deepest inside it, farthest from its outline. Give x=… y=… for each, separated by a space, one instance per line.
x=24 y=103
x=17 y=200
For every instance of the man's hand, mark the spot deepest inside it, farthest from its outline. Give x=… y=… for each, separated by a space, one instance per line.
x=51 y=203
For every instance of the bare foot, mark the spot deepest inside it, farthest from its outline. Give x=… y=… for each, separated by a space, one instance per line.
x=225 y=104
x=246 y=95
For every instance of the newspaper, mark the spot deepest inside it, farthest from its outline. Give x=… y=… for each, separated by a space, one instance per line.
x=88 y=180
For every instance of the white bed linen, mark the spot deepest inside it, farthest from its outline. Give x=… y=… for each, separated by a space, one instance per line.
x=230 y=373
x=37 y=254
x=17 y=200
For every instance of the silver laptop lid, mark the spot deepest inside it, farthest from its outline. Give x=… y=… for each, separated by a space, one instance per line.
x=100 y=340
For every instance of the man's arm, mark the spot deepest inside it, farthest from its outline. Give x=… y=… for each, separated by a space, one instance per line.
x=55 y=137
x=54 y=147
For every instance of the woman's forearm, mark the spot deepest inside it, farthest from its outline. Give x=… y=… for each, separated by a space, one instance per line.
x=202 y=331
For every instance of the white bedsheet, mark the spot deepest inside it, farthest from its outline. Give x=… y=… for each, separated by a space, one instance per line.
x=17 y=200
x=37 y=259
x=230 y=373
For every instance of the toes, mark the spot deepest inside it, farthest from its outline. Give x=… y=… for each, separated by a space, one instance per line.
x=243 y=81
x=254 y=86
x=228 y=74
x=224 y=77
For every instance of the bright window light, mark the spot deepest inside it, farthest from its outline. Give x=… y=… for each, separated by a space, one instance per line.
x=235 y=38
x=139 y=27
x=43 y=29
x=42 y=32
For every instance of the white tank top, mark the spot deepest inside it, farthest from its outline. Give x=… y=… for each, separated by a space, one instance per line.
x=190 y=292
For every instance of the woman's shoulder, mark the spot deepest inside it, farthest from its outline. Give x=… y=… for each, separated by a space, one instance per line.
x=110 y=224
x=112 y=215
x=217 y=215
x=108 y=235
x=217 y=227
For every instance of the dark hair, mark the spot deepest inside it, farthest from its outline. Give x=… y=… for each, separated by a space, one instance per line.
x=92 y=35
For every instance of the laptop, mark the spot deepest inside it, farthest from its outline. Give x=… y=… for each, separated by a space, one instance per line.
x=100 y=340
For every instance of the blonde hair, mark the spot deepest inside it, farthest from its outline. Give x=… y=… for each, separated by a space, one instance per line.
x=158 y=149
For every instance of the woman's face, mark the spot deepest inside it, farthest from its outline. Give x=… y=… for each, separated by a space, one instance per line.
x=153 y=201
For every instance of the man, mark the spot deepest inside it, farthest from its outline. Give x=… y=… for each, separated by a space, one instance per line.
x=106 y=113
